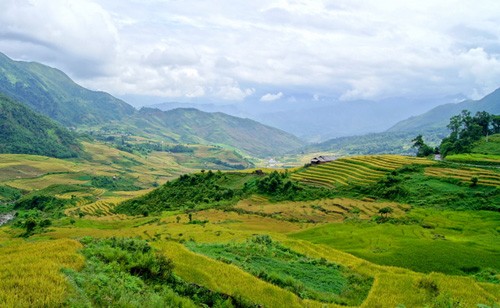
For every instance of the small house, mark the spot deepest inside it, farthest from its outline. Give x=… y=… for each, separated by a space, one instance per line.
x=322 y=159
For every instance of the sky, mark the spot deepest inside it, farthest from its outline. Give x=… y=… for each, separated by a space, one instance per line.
x=232 y=51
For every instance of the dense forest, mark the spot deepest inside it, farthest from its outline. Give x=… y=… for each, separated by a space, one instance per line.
x=23 y=131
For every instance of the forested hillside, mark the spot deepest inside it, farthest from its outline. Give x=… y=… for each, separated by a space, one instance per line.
x=23 y=131
x=52 y=93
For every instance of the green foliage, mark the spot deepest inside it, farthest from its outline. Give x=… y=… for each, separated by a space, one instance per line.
x=114 y=183
x=23 y=131
x=450 y=242
x=385 y=211
x=204 y=189
x=279 y=186
x=308 y=278
x=409 y=185
x=465 y=130
x=146 y=148
x=423 y=149
x=124 y=272
x=488 y=145
x=9 y=194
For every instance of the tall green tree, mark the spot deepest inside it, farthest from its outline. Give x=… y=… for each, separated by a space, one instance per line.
x=466 y=129
x=422 y=148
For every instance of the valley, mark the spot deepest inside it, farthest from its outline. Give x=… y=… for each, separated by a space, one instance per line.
x=104 y=205
x=422 y=251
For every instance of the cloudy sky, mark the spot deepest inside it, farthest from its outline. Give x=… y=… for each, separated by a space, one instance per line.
x=262 y=50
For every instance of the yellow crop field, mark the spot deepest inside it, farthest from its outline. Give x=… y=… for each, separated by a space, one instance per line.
x=319 y=211
x=360 y=170
x=30 y=272
x=465 y=174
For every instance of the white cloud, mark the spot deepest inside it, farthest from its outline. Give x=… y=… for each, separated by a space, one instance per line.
x=80 y=35
x=343 y=48
x=271 y=97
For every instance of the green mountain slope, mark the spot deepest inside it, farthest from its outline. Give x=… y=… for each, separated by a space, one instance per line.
x=52 y=93
x=399 y=142
x=23 y=131
x=439 y=117
x=190 y=125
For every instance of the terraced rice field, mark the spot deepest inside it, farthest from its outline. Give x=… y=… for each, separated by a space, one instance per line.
x=359 y=170
x=485 y=177
x=319 y=211
x=99 y=209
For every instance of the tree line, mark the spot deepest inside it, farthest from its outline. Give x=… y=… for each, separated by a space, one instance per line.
x=465 y=130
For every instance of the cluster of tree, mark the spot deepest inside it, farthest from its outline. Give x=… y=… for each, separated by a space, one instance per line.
x=276 y=184
x=186 y=192
x=146 y=148
x=423 y=149
x=466 y=129
x=114 y=183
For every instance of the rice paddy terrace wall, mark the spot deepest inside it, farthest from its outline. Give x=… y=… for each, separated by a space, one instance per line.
x=360 y=170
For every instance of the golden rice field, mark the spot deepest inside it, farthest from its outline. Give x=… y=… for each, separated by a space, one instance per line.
x=319 y=211
x=30 y=272
x=359 y=170
x=465 y=174
x=28 y=264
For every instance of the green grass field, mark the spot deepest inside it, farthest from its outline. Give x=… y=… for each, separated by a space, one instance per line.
x=456 y=243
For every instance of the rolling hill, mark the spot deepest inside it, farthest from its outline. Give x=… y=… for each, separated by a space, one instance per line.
x=23 y=131
x=439 y=117
x=189 y=125
x=52 y=93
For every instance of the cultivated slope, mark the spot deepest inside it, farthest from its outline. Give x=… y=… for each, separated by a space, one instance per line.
x=52 y=93
x=23 y=131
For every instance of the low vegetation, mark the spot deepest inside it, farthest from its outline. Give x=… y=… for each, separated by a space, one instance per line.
x=309 y=278
x=130 y=273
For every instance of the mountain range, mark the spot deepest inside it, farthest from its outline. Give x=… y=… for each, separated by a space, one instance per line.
x=317 y=121
x=52 y=93
x=437 y=118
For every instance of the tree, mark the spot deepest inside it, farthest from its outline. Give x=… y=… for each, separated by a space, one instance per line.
x=495 y=123
x=385 y=211
x=466 y=129
x=30 y=225
x=423 y=149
